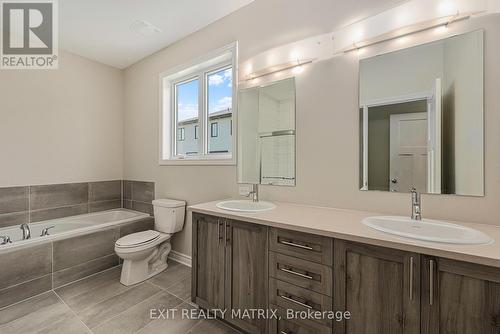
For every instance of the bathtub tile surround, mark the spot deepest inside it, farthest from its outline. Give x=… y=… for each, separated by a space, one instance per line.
x=29 y=204
x=84 y=255
x=138 y=195
x=25 y=273
x=100 y=304
x=34 y=270
x=14 y=206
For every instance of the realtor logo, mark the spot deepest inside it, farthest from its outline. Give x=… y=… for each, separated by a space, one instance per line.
x=29 y=38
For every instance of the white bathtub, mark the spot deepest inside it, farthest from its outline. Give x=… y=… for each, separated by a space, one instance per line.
x=69 y=226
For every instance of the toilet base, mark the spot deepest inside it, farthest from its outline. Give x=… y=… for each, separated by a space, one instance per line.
x=137 y=271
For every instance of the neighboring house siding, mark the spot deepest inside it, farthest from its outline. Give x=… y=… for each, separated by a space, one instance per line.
x=220 y=144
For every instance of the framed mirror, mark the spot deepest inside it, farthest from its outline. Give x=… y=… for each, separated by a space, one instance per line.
x=421 y=118
x=266 y=134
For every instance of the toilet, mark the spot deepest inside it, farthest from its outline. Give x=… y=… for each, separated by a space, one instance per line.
x=145 y=253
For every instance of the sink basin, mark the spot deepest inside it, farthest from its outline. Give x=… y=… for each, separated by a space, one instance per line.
x=245 y=206
x=428 y=230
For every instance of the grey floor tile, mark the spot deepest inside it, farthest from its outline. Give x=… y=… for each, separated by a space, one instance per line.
x=213 y=327
x=89 y=283
x=138 y=316
x=97 y=314
x=68 y=325
x=92 y=297
x=19 y=310
x=174 y=325
x=38 y=320
x=181 y=289
x=175 y=273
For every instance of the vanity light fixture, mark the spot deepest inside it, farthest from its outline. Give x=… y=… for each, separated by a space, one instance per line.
x=295 y=66
x=442 y=22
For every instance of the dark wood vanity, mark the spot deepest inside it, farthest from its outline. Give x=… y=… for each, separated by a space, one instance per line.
x=242 y=265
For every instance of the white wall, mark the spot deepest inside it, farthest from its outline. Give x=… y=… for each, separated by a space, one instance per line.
x=381 y=77
x=465 y=94
x=59 y=126
x=327 y=151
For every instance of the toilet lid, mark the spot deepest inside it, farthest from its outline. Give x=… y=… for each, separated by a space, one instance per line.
x=138 y=238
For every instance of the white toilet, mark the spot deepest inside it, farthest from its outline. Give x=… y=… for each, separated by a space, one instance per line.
x=145 y=253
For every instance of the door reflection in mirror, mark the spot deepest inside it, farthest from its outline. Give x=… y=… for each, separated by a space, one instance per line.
x=421 y=118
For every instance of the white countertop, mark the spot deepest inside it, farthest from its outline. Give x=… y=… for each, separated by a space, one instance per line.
x=346 y=225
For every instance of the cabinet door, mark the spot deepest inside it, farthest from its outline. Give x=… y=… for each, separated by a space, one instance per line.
x=208 y=269
x=380 y=287
x=246 y=272
x=459 y=297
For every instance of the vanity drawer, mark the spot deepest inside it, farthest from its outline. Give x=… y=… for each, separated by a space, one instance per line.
x=289 y=296
x=302 y=245
x=309 y=275
x=295 y=326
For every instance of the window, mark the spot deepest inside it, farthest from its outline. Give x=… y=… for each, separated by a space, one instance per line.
x=197 y=111
x=182 y=134
x=214 y=130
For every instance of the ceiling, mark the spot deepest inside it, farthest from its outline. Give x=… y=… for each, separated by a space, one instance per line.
x=101 y=29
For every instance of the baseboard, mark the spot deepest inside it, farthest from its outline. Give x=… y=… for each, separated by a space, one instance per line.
x=179 y=257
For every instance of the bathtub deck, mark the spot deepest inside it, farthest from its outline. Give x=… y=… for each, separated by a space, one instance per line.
x=100 y=304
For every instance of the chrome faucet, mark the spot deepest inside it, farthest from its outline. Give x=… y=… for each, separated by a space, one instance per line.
x=416 y=207
x=254 y=193
x=45 y=231
x=4 y=239
x=26 y=231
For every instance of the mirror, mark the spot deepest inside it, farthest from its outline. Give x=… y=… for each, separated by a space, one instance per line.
x=421 y=118
x=266 y=134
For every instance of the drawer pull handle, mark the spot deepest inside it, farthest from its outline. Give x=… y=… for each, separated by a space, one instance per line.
x=411 y=278
x=291 y=300
x=296 y=273
x=285 y=332
x=431 y=282
x=288 y=243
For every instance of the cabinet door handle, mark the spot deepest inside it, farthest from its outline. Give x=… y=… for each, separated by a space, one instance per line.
x=227 y=235
x=289 y=243
x=291 y=300
x=411 y=277
x=285 y=332
x=219 y=224
x=295 y=273
x=431 y=282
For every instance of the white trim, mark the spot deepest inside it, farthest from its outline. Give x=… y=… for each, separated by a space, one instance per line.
x=396 y=99
x=180 y=257
x=226 y=56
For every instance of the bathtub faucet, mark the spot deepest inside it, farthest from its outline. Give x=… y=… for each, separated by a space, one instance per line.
x=4 y=239
x=45 y=231
x=26 y=231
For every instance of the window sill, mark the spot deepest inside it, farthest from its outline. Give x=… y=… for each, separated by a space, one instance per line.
x=197 y=162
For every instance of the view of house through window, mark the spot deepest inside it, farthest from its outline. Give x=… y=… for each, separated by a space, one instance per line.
x=186 y=105
x=218 y=86
x=219 y=102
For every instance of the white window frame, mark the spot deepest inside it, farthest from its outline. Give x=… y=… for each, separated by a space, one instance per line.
x=200 y=68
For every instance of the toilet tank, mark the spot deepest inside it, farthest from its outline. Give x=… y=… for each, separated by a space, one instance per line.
x=169 y=215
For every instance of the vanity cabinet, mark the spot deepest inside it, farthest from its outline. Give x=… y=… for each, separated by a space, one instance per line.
x=243 y=266
x=459 y=297
x=230 y=269
x=379 y=286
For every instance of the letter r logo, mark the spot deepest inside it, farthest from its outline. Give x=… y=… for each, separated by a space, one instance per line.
x=27 y=28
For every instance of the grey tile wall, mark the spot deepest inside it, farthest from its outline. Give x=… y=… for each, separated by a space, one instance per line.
x=40 y=268
x=138 y=195
x=42 y=202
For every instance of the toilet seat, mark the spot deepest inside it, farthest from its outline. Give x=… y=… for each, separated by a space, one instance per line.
x=138 y=239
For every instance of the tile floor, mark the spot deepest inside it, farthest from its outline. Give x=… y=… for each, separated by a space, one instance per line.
x=100 y=304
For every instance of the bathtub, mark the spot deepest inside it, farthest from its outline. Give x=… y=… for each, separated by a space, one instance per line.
x=69 y=226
